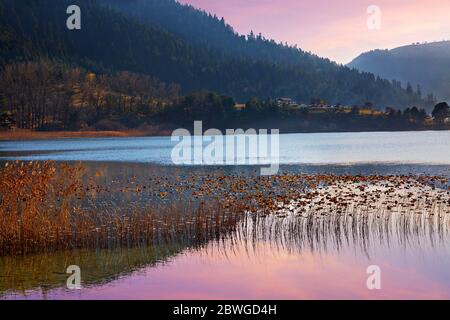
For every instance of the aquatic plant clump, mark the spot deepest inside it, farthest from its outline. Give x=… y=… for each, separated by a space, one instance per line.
x=43 y=208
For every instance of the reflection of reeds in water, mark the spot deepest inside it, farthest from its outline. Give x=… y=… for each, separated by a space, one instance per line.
x=360 y=216
x=48 y=270
x=297 y=234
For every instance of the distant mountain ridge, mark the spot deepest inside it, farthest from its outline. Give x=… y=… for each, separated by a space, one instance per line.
x=426 y=64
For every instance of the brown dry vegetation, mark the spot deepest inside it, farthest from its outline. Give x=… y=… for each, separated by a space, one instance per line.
x=24 y=134
x=41 y=210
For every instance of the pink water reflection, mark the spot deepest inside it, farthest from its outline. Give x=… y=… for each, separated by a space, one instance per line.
x=259 y=271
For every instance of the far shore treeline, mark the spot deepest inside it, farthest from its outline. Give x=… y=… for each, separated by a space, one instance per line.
x=50 y=96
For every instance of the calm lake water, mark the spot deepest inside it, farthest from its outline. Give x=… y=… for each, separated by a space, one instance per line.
x=264 y=258
x=429 y=147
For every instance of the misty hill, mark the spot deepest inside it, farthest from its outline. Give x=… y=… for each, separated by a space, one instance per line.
x=427 y=65
x=180 y=48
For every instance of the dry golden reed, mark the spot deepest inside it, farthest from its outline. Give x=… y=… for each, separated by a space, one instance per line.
x=41 y=210
x=48 y=206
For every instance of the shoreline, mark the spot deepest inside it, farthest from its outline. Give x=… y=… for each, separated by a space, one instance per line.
x=24 y=134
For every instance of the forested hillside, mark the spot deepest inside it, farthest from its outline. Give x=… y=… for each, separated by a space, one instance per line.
x=199 y=27
x=111 y=41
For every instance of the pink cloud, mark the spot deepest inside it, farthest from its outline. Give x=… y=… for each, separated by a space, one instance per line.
x=335 y=29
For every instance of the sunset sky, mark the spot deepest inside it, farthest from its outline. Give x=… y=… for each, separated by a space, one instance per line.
x=336 y=29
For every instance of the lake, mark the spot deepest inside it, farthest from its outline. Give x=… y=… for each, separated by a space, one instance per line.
x=427 y=147
x=280 y=256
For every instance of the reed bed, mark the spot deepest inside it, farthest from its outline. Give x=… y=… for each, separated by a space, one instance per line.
x=47 y=206
x=42 y=210
x=397 y=211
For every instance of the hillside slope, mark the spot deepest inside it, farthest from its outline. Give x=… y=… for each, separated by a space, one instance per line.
x=202 y=28
x=427 y=65
x=111 y=40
